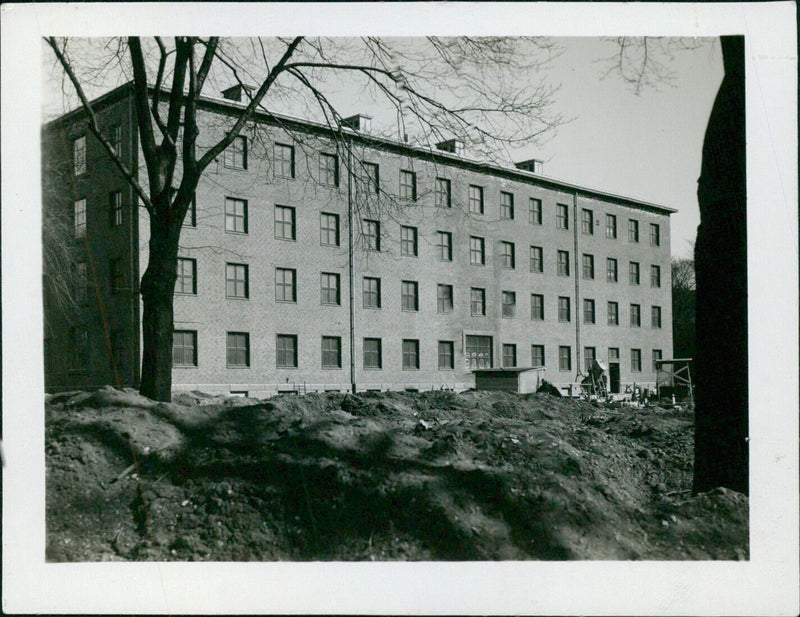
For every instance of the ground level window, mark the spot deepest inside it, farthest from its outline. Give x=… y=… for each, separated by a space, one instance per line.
x=479 y=351
x=331 y=352
x=184 y=348
x=286 y=351
x=636 y=360
x=410 y=354
x=445 y=355
x=238 y=349
x=564 y=358
x=537 y=355
x=509 y=356
x=372 y=353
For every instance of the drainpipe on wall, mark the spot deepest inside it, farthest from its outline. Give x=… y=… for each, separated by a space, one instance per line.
x=350 y=266
x=578 y=307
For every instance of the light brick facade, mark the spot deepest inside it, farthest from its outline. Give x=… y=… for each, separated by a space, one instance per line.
x=293 y=243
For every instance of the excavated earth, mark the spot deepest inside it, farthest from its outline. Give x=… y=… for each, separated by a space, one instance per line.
x=377 y=476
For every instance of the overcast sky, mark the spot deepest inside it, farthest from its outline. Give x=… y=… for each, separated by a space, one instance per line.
x=645 y=146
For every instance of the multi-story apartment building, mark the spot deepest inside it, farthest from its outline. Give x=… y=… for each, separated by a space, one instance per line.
x=318 y=261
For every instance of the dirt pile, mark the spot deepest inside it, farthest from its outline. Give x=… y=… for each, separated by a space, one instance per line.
x=376 y=476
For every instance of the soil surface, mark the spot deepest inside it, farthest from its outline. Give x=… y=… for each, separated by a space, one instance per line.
x=377 y=476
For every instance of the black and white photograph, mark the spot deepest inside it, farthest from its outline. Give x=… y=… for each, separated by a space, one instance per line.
x=405 y=306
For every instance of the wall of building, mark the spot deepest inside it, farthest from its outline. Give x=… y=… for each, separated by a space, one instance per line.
x=109 y=320
x=211 y=314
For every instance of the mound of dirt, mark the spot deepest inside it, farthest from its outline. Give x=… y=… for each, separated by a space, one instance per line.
x=376 y=476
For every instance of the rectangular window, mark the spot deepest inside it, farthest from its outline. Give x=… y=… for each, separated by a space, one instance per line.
x=408 y=241
x=588 y=311
x=371 y=291
x=508 y=255
x=442 y=193
x=509 y=355
x=371 y=178
x=372 y=235
x=329 y=286
x=656 y=359
x=537 y=355
x=115 y=138
x=284 y=161
x=655 y=276
x=80 y=282
x=613 y=354
x=479 y=351
x=115 y=208
x=611 y=270
x=285 y=223
x=537 y=307
x=444 y=298
x=535 y=211
x=410 y=354
x=589 y=355
x=80 y=349
x=587 y=222
x=563 y=309
x=655 y=317
x=506 y=205
x=655 y=235
x=636 y=360
x=235 y=155
x=537 y=262
x=115 y=279
x=80 y=219
x=446 y=355
x=633 y=230
x=285 y=285
x=236 y=281
x=409 y=297
x=563 y=263
x=408 y=185
x=329 y=229
x=613 y=313
x=186 y=283
x=477 y=250
x=373 y=354
x=633 y=273
x=477 y=301
x=79 y=155
x=235 y=215
x=564 y=358
x=475 y=199
x=611 y=226
x=328 y=169
x=238 y=349
x=509 y=304
x=184 y=348
x=286 y=350
x=562 y=216
x=636 y=316
x=445 y=245
x=588 y=266
x=331 y=352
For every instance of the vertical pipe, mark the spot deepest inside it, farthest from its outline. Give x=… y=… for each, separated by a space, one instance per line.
x=577 y=285
x=350 y=265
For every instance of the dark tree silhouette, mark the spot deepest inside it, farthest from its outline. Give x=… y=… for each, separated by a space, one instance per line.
x=721 y=412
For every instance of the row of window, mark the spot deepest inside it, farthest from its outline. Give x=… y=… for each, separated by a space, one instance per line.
x=235 y=157
x=478 y=352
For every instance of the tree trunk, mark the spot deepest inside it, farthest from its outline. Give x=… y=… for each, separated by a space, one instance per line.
x=158 y=285
x=721 y=410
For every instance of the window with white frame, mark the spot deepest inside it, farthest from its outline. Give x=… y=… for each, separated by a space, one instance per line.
x=236 y=281
x=235 y=215
x=477 y=250
x=328 y=169
x=475 y=198
x=330 y=288
x=285 y=285
x=329 y=229
x=408 y=185
x=444 y=245
x=508 y=257
x=285 y=223
x=408 y=241
x=477 y=300
x=284 y=161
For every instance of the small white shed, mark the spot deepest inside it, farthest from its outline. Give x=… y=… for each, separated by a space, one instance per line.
x=522 y=380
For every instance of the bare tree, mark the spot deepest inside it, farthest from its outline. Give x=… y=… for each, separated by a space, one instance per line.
x=485 y=91
x=683 y=308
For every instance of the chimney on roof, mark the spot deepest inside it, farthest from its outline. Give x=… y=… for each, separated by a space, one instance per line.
x=360 y=122
x=533 y=165
x=456 y=146
x=234 y=93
